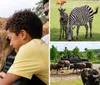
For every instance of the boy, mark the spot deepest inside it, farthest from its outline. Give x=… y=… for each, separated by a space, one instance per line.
x=24 y=30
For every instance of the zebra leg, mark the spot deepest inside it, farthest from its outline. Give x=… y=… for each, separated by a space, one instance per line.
x=90 y=23
x=86 y=26
x=77 y=31
x=65 y=30
x=60 y=31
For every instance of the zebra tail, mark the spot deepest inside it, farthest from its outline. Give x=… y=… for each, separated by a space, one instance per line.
x=96 y=10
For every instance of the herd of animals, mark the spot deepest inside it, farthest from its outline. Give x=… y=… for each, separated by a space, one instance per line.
x=89 y=75
x=79 y=16
x=66 y=65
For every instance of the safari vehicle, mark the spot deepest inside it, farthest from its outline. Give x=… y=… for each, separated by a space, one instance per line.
x=74 y=59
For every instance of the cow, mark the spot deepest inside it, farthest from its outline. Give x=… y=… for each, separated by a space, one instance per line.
x=77 y=66
x=55 y=67
x=90 y=77
x=84 y=75
x=65 y=63
x=89 y=65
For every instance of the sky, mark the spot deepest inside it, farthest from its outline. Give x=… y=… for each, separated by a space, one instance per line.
x=71 y=45
x=8 y=7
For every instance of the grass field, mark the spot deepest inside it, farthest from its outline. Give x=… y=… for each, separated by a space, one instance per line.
x=68 y=82
x=69 y=5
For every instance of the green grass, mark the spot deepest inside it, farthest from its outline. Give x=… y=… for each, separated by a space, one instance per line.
x=69 y=5
x=95 y=61
x=68 y=82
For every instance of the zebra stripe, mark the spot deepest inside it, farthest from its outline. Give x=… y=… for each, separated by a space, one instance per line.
x=80 y=16
x=63 y=23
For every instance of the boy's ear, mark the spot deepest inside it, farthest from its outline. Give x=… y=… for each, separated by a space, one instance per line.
x=23 y=34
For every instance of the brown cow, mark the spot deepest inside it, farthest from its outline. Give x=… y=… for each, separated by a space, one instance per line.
x=64 y=63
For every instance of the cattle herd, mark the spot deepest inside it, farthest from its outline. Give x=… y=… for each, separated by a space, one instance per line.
x=89 y=75
x=65 y=64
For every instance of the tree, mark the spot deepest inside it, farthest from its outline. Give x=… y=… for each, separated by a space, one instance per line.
x=39 y=11
x=90 y=54
x=54 y=54
x=69 y=53
x=61 y=53
x=65 y=51
x=98 y=56
x=85 y=49
x=76 y=51
x=53 y=51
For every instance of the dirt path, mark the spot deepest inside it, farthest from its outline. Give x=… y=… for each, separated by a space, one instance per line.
x=62 y=77
x=67 y=75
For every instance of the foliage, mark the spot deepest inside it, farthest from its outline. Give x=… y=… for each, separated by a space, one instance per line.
x=61 y=53
x=98 y=56
x=90 y=54
x=85 y=49
x=69 y=53
x=65 y=51
x=57 y=57
x=76 y=51
x=54 y=54
x=82 y=54
x=96 y=51
x=95 y=61
x=39 y=11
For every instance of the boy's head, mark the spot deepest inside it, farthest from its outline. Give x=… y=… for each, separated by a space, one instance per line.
x=23 y=26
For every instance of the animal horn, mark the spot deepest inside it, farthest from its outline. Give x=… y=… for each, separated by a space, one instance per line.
x=96 y=76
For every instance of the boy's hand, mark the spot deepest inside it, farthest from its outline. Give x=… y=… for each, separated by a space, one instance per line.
x=2 y=74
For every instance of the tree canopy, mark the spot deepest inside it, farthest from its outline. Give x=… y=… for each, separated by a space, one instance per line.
x=39 y=11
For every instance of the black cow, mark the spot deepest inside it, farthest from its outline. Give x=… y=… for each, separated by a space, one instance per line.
x=90 y=77
x=55 y=67
x=77 y=66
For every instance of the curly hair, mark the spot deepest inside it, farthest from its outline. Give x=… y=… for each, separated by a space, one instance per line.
x=26 y=20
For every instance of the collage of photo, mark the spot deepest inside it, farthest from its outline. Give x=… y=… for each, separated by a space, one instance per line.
x=74 y=42
x=50 y=42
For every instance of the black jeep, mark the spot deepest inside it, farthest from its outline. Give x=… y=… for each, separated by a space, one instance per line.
x=74 y=59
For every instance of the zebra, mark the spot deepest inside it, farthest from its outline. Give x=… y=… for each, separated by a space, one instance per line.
x=63 y=22
x=80 y=16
